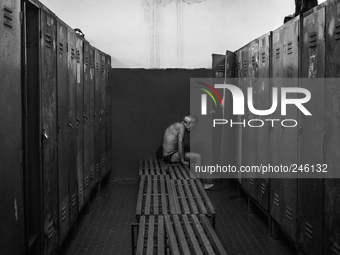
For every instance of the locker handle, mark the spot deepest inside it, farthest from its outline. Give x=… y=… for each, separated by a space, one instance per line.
x=86 y=117
x=70 y=125
x=78 y=121
x=45 y=134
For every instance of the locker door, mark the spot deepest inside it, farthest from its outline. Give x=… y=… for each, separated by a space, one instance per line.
x=72 y=124
x=103 y=85
x=88 y=118
x=276 y=185
x=228 y=133
x=311 y=134
x=244 y=118
x=109 y=113
x=251 y=132
x=331 y=149
x=63 y=177
x=289 y=134
x=49 y=129
x=263 y=91
x=80 y=121
x=97 y=113
x=11 y=213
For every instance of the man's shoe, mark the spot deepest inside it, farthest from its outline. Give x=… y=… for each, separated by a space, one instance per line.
x=208 y=185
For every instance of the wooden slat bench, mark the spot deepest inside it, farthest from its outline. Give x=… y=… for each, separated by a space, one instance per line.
x=159 y=167
x=159 y=194
x=176 y=234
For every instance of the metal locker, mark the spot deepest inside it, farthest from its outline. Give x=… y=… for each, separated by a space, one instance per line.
x=72 y=124
x=290 y=56
x=217 y=74
x=331 y=149
x=109 y=113
x=48 y=110
x=243 y=83
x=89 y=166
x=263 y=92
x=311 y=132
x=238 y=130
x=33 y=173
x=228 y=139
x=80 y=120
x=11 y=213
x=276 y=191
x=63 y=176
x=103 y=85
x=97 y=114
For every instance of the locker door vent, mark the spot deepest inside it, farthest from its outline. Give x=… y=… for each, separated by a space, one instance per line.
x=337 y=32
x=104 y=162
x=73 y=200
x=8 y=17
x=263 y=188
x=91 y=174
x=289 y=48
x=109 y=158
x=97 y=65
x=48 y=40
x=61 y=48
x=50 y=230
x=251 y=181
x=78 y=56
x=245 y=64
x=289 y=213
x=277 y=200
x=73 y=53
x=80 y=189
x=63 y=213
x=86 y=61
x=336 y=249
x=312 y=39
x=277 y=53
x=263 y=57
x=97 y=167
x=87 y=181
x=309 y=230
x=91 y=63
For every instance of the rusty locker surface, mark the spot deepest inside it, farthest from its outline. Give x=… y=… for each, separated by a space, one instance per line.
x=263 y=93
x=217 y=74
x=80 y=121
x=243 y=83
x=311 y=134
x=109 y=114
x=103 y=86
x=250 y=133
x=89 y=167
x=12 y=224
x=276 y=191
x=33 y=190
x=238 y=80
x=97 y=108
x=72 y=124
x=49 y=129
x=63 y=177
x=228 y=139
x=331 y=141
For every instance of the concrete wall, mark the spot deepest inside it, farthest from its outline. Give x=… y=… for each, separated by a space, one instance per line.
x=144 y=103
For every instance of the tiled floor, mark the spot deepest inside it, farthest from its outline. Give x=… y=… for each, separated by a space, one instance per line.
x=106 y=229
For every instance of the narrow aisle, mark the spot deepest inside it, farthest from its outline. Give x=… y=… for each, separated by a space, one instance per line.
x=106 y=229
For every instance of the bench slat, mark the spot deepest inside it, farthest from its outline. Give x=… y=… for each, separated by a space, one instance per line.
x=151 y=230
x=180 y=235
x=175 y=196
x=191 y=236
x=171 y=235
x=170 y=197
x=183 y=198
x=198 y=198
x=155 y=197
x=213 y=236
x=141 y=232
x=148 y=196
x=206 y=197
x=160 y=236
x=163 y=196
x=140 y=196
x=189 y=195
x=200 y=232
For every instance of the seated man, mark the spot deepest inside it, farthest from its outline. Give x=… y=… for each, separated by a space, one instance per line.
x=173 y=145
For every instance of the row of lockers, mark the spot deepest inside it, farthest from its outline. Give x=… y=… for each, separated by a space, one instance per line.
x=307 y=211
x=56 y=129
